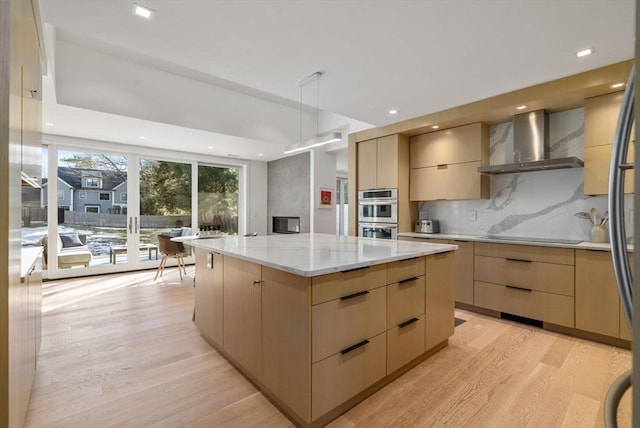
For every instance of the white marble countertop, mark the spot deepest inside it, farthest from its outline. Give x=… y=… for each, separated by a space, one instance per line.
x=28 y=256
x=523 y=241
x=317 y=254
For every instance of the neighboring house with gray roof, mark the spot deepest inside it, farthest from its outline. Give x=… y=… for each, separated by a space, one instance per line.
x=90 y=190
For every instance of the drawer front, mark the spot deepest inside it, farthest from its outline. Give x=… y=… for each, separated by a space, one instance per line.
x=548 y=307
x=338 y=324
x=548 y=277
x=404 y=344
x=405 y=300
x=339 y=284
x=405 y=269
x=532 y=253
x=341 y=376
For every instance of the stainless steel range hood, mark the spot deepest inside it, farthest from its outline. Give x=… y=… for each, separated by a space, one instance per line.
x=531 y=147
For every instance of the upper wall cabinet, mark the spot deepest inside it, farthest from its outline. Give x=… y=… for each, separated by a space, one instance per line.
x=444 y=164
x=382 y=162
x=600 y=120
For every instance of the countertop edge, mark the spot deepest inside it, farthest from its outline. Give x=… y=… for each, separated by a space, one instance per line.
x=437 y=248
x=452 y=236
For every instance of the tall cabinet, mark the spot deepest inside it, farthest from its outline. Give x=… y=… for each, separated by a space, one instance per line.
x=20 y=118
x=600 y=120
x=383 y=163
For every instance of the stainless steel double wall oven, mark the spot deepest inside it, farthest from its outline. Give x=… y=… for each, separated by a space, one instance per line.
x=378 y=213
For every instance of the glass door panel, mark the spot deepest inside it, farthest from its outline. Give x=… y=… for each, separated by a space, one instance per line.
x=165 y=205
x=91 y=210
x=218 y=200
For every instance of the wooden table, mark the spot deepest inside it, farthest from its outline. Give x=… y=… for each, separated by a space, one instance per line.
x=114 y=250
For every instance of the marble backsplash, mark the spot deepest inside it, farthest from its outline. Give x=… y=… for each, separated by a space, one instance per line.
x=537 y=204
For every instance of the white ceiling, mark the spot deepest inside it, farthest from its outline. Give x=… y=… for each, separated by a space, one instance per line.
x=223 y=74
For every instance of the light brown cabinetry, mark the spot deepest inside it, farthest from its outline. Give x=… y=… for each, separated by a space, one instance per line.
x=598 y=307
x=444 y=164
x=439 y=298
x=529 y=281
x=464 y=260
x=242 y=324
x=600 y=120
x=286 y=340
x=314 y=343
x=383 y=162
x=209 y=295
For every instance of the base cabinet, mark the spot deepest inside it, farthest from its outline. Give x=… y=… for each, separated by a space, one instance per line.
x=312 y=344
x=598 y=307
x=209 y=304
x=243 y=313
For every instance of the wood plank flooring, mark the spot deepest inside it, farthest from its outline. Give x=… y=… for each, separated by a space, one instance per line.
x=121 y=350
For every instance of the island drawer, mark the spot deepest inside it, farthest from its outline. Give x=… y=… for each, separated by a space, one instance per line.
x=548 y=277
x=405 y=269
x=547 y=307
x=565 y=256
x=404 y=343
x=405 y=300
x=341 y=376
x=340 y=284
x=340 y=323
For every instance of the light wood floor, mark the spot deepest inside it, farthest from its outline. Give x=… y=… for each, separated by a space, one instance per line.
x=123 y=352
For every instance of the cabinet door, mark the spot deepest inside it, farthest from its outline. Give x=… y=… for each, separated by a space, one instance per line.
x=600 y=119
x=597 y=162
x=453 y=182
x=439 y=298
x=597 y=302
x=209 y=304
x=286 y=340
x=242 y=315
x=387 y=162
x=367 y=164
x=468 y=143
x=464 y=272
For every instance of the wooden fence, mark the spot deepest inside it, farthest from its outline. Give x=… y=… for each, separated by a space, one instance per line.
x=120 y=220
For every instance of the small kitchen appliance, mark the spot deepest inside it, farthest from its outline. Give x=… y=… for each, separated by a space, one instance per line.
x=427 y=226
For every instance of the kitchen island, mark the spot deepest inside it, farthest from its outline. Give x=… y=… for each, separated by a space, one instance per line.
x=319 y=322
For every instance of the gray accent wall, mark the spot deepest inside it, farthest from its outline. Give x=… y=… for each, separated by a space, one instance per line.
x=288 y=183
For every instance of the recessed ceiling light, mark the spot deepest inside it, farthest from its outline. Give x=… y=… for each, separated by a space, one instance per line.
x=393 y=111
x=435 y=127
x=522 y=107
x=142 y=11
x=49 y=123
x=260 y=154
x=142 y=137
x=617 y=85
x=210 y=147
x=584 y=52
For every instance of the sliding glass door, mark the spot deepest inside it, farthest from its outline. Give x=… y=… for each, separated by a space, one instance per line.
x=105 y=210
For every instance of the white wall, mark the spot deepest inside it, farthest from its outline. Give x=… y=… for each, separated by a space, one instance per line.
x=323 y=173
x=256 y=217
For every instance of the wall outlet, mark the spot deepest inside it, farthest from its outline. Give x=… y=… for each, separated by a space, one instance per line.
x=473 y=215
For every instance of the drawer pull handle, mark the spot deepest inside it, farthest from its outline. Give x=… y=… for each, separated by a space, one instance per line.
x=404 y=281
x=518 y=288
x=518 y=260
x=351 y=296
x=354 y=347
x=353 y=270
x=443 y=166
x=406 y=323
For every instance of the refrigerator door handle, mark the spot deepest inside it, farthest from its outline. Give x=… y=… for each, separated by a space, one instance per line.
x=617 y=232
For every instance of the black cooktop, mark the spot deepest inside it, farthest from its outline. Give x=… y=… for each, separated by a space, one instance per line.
x=528 y=239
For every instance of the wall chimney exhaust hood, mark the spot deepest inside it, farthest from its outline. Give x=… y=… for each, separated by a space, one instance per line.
x=531 y=147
